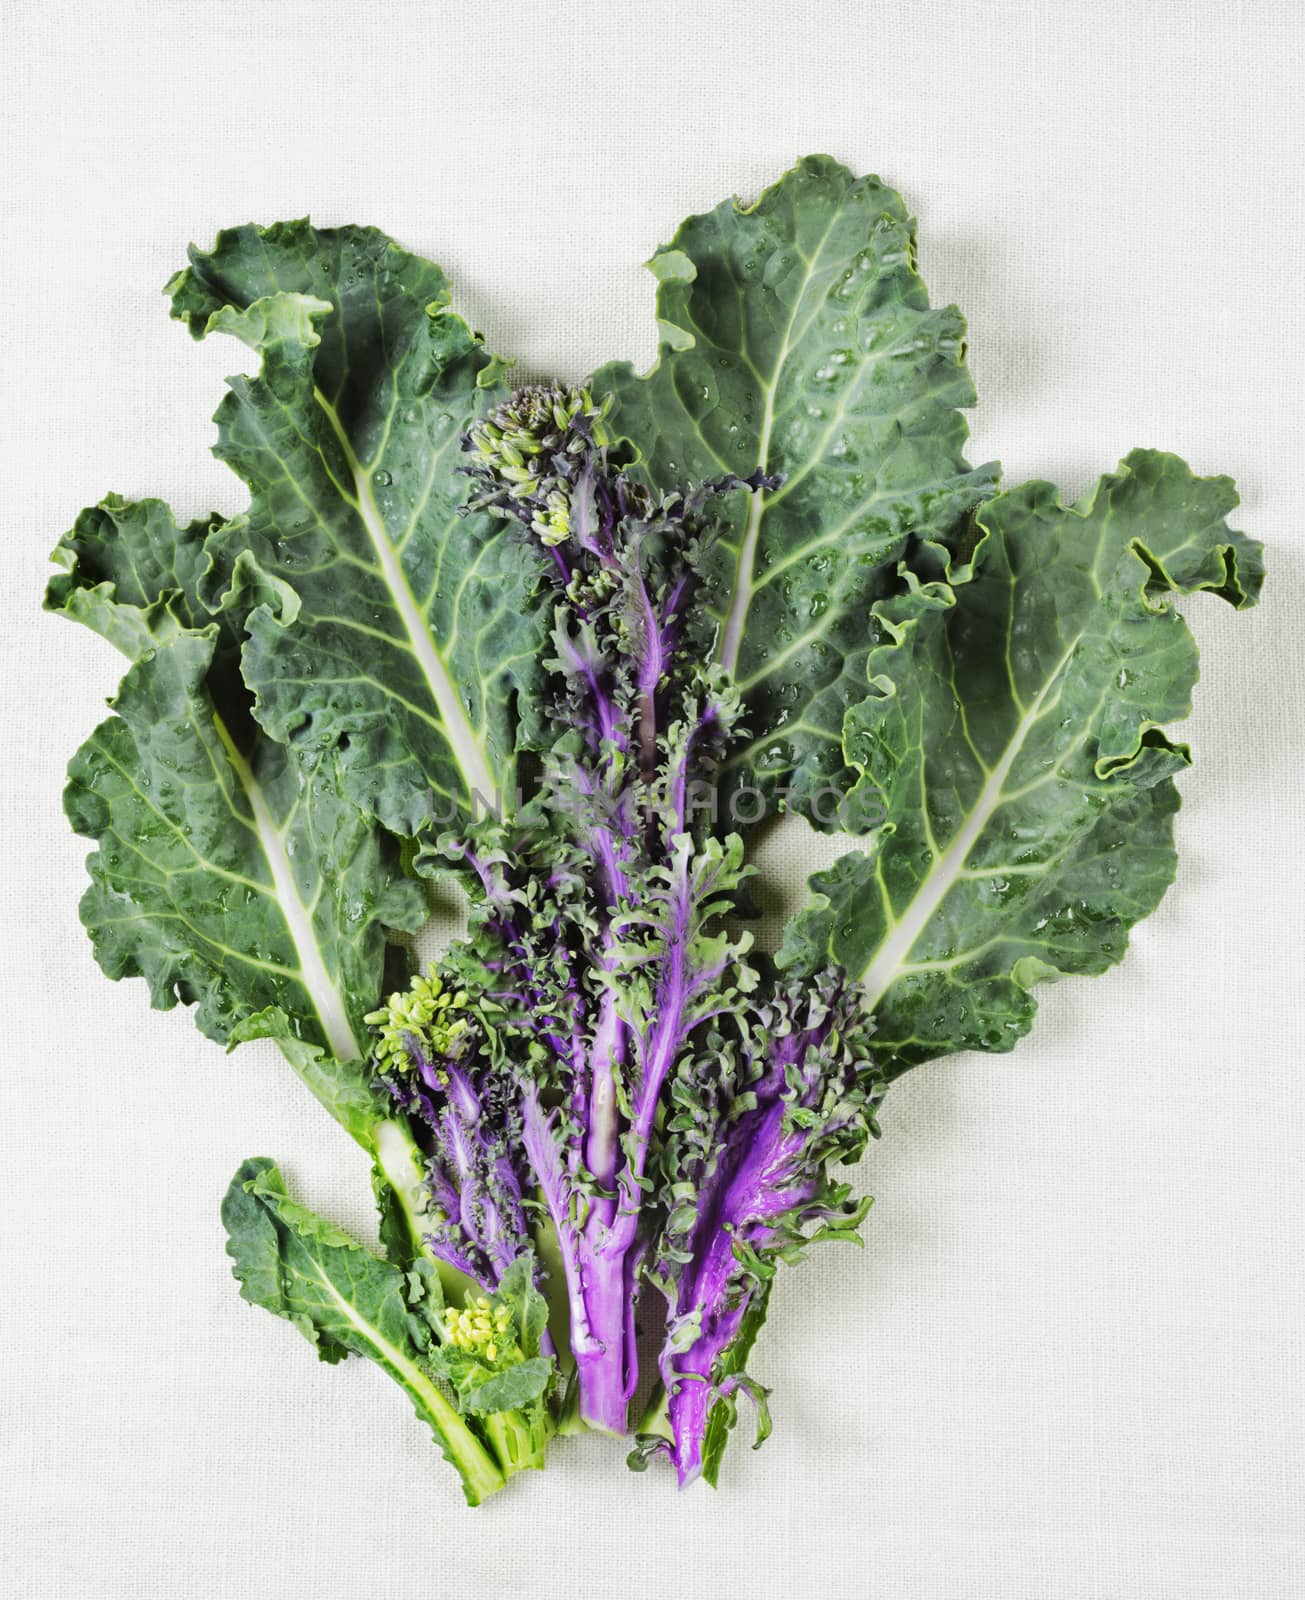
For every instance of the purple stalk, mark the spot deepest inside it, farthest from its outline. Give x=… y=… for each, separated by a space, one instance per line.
x=610 y=1245
x=474 y=1184
x=622 y=592
x=760 y=1179
x=765 y=1183
x=610 y=1241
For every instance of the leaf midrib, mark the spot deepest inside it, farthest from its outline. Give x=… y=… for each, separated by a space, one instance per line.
x=471 y=1457
x=327 y=1000
x=731 y=636
x=891 y=958
x=466 y=746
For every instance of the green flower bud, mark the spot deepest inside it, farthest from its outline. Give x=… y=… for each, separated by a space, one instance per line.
x=519 y=438
x=426 y=1010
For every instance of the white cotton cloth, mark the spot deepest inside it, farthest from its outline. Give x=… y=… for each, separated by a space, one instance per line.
x=1070 y=1362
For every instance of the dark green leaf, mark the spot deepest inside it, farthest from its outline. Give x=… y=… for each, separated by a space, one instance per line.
x=131 y=574
x=233 y=878
x=343 y=1299
x=1014 y=744
x=529 y=1308
x=510 y=1390
x=383 y=624
x=229 y=875
x=724 y=1414
x=797 y=337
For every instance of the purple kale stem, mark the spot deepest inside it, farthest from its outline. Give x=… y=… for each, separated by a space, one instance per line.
x=542 y=457
x=559 y=560
x=605 y=712
x=766 y=1181
x=652 y=664
x=676 y=987
x=544 y=1155
x=474 y=1185
x=752 y=1188
x=611 y=1234
x=600 y=1262
x=608 y=1051
x=596 y=1274
x=607 y=1370
x=708 y=721
x=603 y=1123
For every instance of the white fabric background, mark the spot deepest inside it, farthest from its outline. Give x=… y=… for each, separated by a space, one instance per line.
x=1069 y=1363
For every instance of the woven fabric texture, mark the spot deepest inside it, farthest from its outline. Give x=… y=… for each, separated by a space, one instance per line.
x=1070 y=1362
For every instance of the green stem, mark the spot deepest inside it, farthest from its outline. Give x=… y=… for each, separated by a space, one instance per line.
x=389 y=1143
x=398 y=1160
x=517 y=1440
x=569 y=1420
x=510 y=1438
x=656 y=1418
x=481 y=1477
x=559 y=1307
